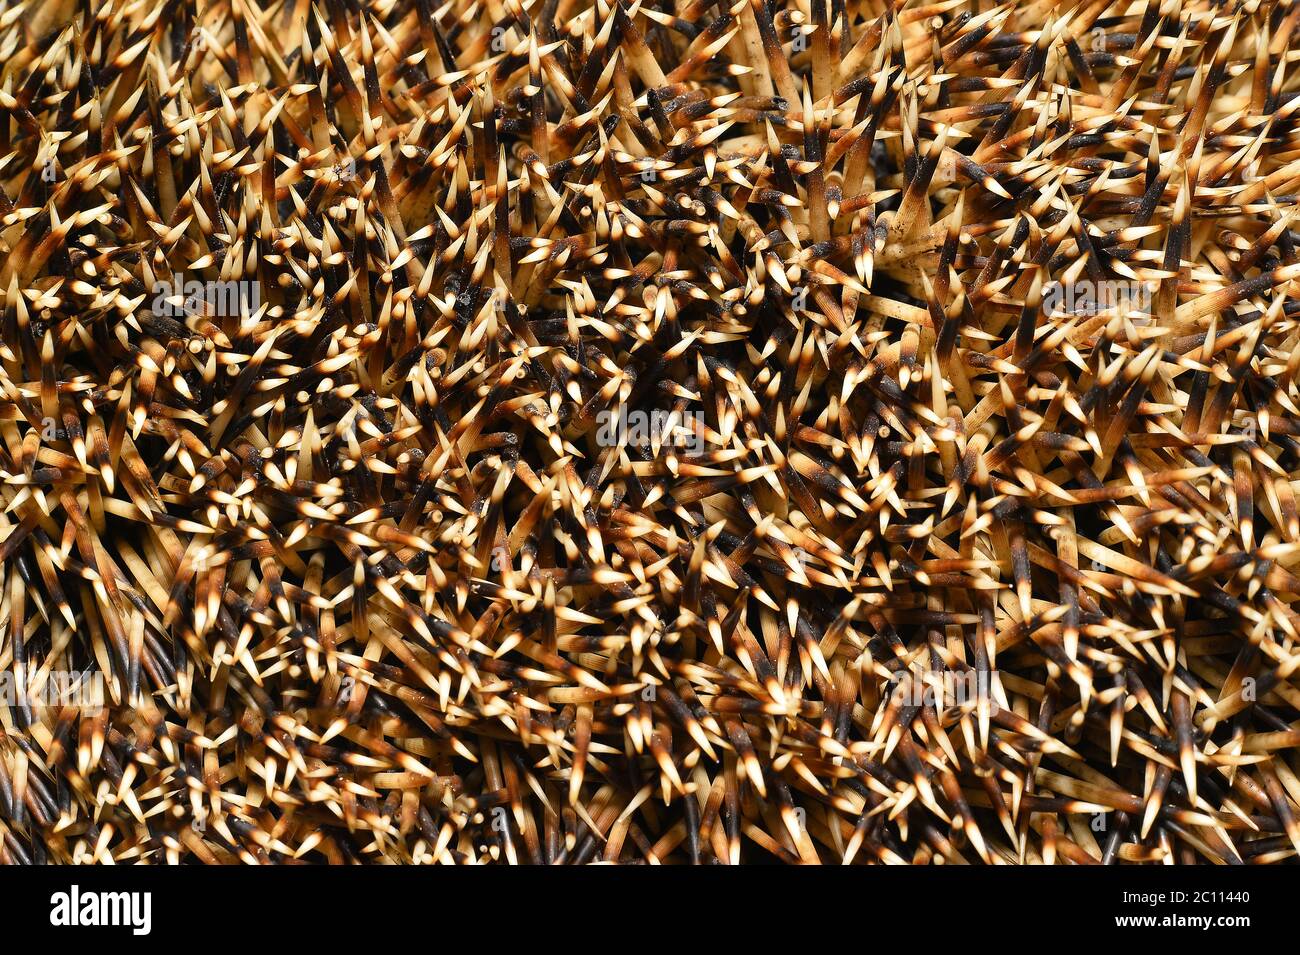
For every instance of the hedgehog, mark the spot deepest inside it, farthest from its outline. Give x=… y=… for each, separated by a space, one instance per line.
x=652 y=432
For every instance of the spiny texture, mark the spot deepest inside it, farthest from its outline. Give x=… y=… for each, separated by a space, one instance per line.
x=677 y=431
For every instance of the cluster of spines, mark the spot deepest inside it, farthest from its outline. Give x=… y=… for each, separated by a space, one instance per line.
x=367 y=583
